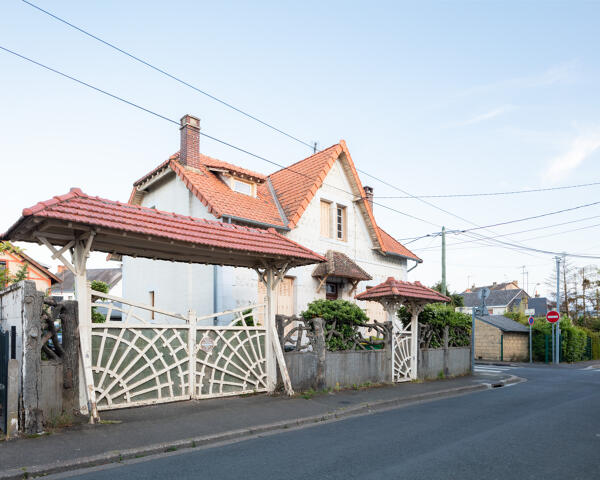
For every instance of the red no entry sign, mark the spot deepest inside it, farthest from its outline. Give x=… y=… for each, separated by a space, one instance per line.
x=552 y=316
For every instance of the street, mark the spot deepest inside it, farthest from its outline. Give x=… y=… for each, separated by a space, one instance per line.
x=547 y=427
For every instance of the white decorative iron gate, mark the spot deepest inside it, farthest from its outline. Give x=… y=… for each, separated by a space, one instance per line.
x=403 y=357
x=153 y=356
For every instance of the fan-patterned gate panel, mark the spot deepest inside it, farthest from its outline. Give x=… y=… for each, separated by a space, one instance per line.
x=139 y=365
x=403 y=357
x=153 y=356
x=230 y=361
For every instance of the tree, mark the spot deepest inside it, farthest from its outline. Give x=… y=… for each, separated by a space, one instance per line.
x=456 y=299
x=5 y=277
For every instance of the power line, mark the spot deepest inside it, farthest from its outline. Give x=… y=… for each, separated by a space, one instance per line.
x=489 y=194
x=556 y=212
x=518 y=232
x=173 y=77
x=223 y=142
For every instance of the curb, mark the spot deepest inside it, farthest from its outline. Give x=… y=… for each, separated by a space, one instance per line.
x=242 y=434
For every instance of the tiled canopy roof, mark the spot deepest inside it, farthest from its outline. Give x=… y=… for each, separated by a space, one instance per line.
x=131 y=230
x=407 y=290
x=294 y=186
x=340 y=265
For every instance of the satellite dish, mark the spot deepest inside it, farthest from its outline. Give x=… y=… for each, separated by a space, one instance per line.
x=484 y=293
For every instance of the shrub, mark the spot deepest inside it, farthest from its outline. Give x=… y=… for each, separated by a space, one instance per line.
x=98 y=286
x=342 y=320
x=438 y=316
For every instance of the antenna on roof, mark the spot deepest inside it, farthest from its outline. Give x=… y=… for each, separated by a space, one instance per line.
x=315 y=147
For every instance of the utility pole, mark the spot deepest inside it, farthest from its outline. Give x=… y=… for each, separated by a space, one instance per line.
x=444 y=292
x=556 y=340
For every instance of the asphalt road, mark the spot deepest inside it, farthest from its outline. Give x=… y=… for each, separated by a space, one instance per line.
x=546 y=428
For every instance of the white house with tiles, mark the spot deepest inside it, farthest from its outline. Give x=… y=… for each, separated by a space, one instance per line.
x=318 y=202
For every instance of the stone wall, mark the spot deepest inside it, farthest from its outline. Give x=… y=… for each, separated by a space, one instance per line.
x=340 y=369
x=516 y=347
x=440 y=362
x=487 y=341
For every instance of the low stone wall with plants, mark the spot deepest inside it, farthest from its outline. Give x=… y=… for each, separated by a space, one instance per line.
x=332 y=345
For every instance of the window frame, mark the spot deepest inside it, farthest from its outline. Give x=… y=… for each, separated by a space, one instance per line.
x=341 y=223
x=235 y=181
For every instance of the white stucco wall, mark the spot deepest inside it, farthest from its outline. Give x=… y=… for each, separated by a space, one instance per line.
x=359 y=246
x=179 y=287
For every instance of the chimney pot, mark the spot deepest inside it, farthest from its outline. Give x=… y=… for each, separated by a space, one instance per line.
x=189 y=152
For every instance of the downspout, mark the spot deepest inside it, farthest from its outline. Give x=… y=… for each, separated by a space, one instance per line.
x=412 y=268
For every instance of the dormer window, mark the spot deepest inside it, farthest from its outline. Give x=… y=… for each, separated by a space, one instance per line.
x=240 y=186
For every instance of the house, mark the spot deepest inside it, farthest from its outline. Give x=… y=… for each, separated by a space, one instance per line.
x=500 y=338
x=514 y=285
x=12 y=260
x=318 y=202
x=538 y=306
x=498 y=302
x=66 y=289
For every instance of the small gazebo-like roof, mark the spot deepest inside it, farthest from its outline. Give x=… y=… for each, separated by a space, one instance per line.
x=124 y=229
x=413 y=296
x=341 y=266
x=410 y=292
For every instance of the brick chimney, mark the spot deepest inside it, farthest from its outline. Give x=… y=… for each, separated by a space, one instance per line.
x=60 y=269
x=189 y=152
x=369 y=195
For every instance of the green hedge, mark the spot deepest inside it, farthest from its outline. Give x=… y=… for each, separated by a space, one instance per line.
x=574 y=340
x=438 y=316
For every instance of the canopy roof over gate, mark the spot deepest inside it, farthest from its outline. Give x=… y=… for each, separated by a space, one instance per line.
x=135 y=231
x=402 y=291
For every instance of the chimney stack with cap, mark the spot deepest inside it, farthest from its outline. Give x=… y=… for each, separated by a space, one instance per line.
x=369 y=195
x=189 y=152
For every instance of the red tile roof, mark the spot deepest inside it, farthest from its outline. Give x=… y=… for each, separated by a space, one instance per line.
x=396 y=288
x=391 y=245
x=295 y=186
x=80 y=208
x=222 y=201
x=340 y=265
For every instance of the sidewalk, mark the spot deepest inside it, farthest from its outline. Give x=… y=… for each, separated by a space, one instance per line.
x=166 y=427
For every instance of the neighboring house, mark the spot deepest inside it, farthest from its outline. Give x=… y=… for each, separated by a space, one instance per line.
x=66 y=289
x=538 y=306
x=500 y=338
x=36 y=272
x=514 y=285
x=498 y=302
x=318 y=202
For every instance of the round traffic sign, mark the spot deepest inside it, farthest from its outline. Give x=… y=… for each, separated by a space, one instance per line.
x=552 y=316
x=531 y=320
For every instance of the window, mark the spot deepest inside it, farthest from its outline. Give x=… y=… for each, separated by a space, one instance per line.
x=331 y=291
x=341 y=223
x=243 y=187
x=326 y=219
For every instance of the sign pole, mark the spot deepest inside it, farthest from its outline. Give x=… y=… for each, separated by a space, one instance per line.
x=557 y=341
x=530 y=321
x=473 y=341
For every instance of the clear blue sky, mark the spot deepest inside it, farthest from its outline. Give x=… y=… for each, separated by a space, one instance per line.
x=433 y=97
